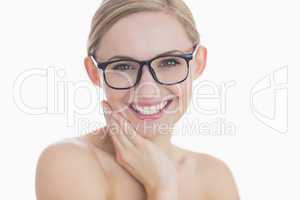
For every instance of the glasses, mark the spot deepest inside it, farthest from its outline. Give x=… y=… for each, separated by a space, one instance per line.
x=167 y=69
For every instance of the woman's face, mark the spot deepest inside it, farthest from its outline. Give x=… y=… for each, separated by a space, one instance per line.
x=143 y=36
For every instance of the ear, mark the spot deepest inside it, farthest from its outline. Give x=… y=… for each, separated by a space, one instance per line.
x=200 y=62
x=92 y=71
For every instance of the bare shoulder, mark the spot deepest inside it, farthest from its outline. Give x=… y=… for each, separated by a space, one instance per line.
x=69 y=170
x=218 y=177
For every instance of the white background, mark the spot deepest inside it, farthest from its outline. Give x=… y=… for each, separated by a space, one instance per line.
x=247 y=41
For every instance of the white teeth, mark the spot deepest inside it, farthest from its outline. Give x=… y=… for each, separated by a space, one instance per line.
x=149 y=110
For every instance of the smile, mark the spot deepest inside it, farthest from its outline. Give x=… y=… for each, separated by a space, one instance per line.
x=150 y=112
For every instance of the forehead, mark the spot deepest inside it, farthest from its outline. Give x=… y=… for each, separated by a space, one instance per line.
x=143 y=35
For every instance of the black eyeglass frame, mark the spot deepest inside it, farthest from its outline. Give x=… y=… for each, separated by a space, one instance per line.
x=187 y=57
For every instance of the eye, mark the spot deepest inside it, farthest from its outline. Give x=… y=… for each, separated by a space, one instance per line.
x=123 y=67
x=169 y=62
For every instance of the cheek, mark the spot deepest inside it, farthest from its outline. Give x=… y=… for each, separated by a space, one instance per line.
x=115 y=98
x=184 y=92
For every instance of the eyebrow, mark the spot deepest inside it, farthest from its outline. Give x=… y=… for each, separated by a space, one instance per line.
x=128 y=57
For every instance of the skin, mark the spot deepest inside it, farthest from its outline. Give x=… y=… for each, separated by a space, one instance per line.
x=129 y=157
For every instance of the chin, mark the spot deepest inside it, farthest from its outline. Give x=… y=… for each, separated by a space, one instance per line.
x=150 y=134
x=154 y=129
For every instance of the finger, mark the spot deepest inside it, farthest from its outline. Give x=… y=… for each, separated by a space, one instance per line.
x=130 y=131
x=111 y=127
x=118 y=132
x=121 y=135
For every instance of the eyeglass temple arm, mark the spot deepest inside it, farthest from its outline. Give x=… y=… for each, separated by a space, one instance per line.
x=196 y=46
x=94 y=60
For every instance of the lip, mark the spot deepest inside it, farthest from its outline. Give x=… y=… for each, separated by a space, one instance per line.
x=154 y=116
x=150 y=101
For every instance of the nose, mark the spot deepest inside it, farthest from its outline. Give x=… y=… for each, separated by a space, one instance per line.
x=147 y=86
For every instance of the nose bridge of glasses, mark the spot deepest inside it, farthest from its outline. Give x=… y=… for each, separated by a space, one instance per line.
x=146 y=75
x=147 y=85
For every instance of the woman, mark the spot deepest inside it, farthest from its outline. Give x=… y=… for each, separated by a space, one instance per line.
x=145 y=54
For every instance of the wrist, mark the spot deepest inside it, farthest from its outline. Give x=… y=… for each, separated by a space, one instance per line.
x=167 y=185
x=171 y=194
x=163 y=193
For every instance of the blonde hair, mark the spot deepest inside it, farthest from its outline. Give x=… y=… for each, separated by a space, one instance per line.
x=110 y=11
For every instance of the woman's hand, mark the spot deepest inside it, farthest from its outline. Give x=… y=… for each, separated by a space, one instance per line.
x=140 y=157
